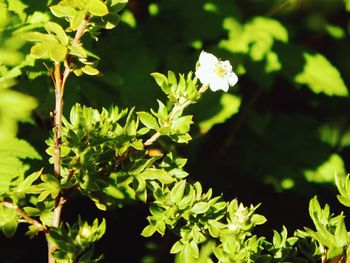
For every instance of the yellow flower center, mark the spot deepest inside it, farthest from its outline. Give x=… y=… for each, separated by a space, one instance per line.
x=220 y=70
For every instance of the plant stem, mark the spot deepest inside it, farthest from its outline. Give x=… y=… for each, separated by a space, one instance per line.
x=23 y=214
x=59 y=83
x=59 y=88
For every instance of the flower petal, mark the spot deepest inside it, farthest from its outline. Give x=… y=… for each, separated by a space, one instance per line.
x=232 y=79
x=203 y=75
x=207 y=59
x=217 y=83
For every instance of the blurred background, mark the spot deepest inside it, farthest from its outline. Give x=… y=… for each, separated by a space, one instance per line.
x=277 y=138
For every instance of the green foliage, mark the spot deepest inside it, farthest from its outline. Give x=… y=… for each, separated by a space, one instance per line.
x=120 y=155
x=75 y=243
x=331 y=233
x=321 y=76
x=12 y=152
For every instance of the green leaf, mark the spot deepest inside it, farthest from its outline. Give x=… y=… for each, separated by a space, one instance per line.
x=177 y=192
x=40 y=37
x=18 y=7
x=326 y=171
x=148 y=120
x=347 y=5
x=194 y=249
x=321 y=76
x=77 y=19
x=78 y=51
x=182 y=124
x=28 y=181
x=176 y=248
x=148 y=231
x=10 y=228
x=156 y=174
x=162 y=82
x=89 y=70
x=341 y=234
x=111 y=21
x=40 y=50
x=57 y=30
x=62 y=10
x=58 y=52
x=47 y=217
x=343 y=185
x=18 y=148
x=258 y=45
x=6 y=215
x=229 y=105
x=117 y=5
x=11 y=151
x=200 y=208
x=97 y=8
x=334 y=251
x=258 y=219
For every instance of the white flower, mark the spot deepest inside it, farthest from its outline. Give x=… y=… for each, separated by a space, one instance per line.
x=215 y=73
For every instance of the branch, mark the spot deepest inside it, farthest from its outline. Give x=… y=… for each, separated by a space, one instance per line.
x=24 y=215
x=76 y=41
x=59 y=82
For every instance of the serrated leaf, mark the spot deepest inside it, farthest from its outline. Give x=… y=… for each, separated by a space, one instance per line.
x=321 y=76
x=18 y=148
x=97 y=8
x=148 y=120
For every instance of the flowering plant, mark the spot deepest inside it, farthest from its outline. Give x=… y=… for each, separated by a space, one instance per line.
x=110 y=158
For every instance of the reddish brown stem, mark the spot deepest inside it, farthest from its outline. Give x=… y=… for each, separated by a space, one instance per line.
x=59 y=80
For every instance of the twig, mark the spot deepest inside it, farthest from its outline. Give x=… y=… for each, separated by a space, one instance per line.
x=59 y=83
x=76 y=41
x=24 y=215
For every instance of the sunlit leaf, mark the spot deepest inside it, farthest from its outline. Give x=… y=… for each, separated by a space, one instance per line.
x=321 y=76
